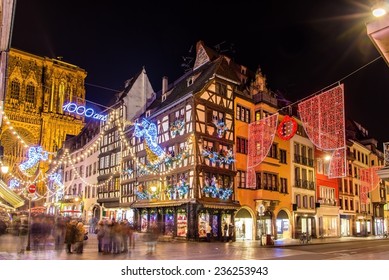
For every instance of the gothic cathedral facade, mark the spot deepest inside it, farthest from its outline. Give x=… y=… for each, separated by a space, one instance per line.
x=37 y=88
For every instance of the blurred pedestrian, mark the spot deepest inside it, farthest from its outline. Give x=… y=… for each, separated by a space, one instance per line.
x=124 y=232
x=152 y=239
x=243 y=230
x=59 y=233
x=70 y=235
x=99 y=231
x=131 y=236
x=80 y=234
x=225 y=230
x=208 y=231
x=231 y=231
x=23 y=231
x=116 y=237
x=107 y=239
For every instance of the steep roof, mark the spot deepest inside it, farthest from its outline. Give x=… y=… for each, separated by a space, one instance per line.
x=214 y=65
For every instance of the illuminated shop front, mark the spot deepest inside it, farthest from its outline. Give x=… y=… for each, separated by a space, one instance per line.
x=181 y=220
x=283 y=225
x=304 y=223
x=171 y=218
x=243 y=225
x=345 y=225
x=217 y=215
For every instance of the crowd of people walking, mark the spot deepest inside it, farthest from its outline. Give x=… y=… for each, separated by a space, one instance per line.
x=115 y=237
x=70 y=234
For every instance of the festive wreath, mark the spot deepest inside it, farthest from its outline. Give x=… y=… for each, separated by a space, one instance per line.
x=287 y=128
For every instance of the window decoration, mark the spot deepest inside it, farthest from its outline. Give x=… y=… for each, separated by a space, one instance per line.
x=171 y=158
x=323 y=118
x=179 y=190
x=221 y=157
x=176 y=127
x=211 y=188
x=261 y=136
x=35 y=154
x=128 y=172
x=142 y=193
x=287 y=128
x=221 y=126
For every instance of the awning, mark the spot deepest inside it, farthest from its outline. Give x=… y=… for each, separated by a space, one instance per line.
x=148 y=204
x=9 y=196
x=221 y=205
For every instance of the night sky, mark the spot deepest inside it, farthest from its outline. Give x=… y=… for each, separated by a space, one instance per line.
x=302 y=46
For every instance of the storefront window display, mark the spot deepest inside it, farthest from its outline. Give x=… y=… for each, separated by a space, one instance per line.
x=330 y=226
x=169 y=224
x=244 y=228
x=203 y=221
x=153 y=219
x=143 y=223
x=283 y=228
x=182 y=223
x=345 y=228
x=215 y=226
x=130 y=216
x=226 y=220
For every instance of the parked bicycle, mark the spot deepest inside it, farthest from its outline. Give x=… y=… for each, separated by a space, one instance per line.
x=305 y=238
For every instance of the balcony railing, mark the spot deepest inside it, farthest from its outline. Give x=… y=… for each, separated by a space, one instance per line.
x=305 y=184
x=303 y=160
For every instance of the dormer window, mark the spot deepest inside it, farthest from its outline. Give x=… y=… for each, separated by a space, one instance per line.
x=163 y=97
x=243 y=70
x=147 y=113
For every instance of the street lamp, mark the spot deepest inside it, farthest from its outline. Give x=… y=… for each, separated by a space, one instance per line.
x=4 y=169
x=380 y=8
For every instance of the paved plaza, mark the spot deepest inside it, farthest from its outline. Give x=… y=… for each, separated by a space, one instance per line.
x=165 y=250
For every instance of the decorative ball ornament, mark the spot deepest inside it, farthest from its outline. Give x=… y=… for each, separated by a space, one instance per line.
x=287 y=128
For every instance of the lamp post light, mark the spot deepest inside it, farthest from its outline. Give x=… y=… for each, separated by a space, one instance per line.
x=380 y=8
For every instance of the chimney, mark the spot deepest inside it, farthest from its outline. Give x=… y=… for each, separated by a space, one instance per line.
x=164 y=84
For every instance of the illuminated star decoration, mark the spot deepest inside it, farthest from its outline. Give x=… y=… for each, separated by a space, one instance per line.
x=35 y=154
x=149 y=131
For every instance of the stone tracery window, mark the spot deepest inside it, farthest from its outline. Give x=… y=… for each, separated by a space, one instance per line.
x=15 y=89
x=30 y=93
